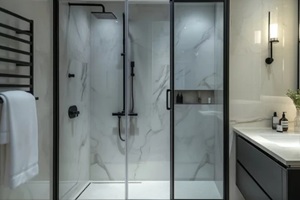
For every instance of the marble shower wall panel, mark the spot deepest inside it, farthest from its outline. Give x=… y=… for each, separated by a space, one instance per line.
x=40 y=12
x=149 y=154
x=149 y=132
x=107 y=151
x=219 y=79
x=74 y=133
x=194 y=43
x=194 y=142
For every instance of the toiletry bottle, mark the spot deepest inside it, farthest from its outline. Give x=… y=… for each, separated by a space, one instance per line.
x=275 y=121
x=284 y=122
x=177 y=98
x=209 y=100
x=181 y=98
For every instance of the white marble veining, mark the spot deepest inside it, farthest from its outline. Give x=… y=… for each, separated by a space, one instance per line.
x=74 y=133
x=284 y=147
x=195 y=47
x=149 y=132
x=149 y=139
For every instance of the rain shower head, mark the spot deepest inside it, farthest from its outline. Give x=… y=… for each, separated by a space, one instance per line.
x=104 y=15
x=98 y=15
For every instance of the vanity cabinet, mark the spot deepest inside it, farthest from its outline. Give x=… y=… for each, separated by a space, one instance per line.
x=259 y=176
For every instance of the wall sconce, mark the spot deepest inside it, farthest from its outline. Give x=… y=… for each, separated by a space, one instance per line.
x=272 y=37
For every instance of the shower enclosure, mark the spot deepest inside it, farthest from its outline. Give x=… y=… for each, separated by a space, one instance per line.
x=143 y=100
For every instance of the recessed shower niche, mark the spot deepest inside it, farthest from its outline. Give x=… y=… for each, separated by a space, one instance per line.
x=131 y=139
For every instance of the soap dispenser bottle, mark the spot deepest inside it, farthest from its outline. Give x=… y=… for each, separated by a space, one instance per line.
x=284 y=122
x=275 y=121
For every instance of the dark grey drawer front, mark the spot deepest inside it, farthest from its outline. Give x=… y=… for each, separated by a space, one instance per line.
x=249 y=189
x=263 y=169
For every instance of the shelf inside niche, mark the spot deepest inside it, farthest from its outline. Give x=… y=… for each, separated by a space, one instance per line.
x=195 y=97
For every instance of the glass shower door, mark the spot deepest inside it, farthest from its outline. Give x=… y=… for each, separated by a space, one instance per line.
x=198 y=100
x=148 y=79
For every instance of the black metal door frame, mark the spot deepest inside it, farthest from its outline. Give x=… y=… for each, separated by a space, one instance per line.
x=55 y=156
x=55 y=177
x=225 y=95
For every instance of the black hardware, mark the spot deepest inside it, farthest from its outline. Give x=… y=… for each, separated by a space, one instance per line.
x=119 y=125
x=29 y=41
x=18 y=31
x=15 y=75
x=15 y=86
x=17 y=62
x=73 y=111
x=88 y=4
x=167 y=99
x=56 y=117
x=1 y=100
x=14 y=50
x=71 y=75
x=15 y=38
x=132 y=65
x=270 y=59
x=123 y=55
x=14 y=15
x=123 y=114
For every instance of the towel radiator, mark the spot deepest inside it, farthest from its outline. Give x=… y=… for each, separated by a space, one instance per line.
x=28 y=33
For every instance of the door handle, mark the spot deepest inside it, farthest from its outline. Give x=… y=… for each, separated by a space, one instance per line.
x=168 y=91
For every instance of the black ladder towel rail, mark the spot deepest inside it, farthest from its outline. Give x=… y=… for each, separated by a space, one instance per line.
x=27 y=39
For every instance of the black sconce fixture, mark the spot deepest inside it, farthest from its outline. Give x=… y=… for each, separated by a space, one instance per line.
x=272 y=37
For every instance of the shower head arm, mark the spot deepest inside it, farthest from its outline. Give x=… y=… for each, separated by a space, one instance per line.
x=88 y=4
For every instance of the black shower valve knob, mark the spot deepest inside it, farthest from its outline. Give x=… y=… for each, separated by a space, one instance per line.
x=73 y=112
x=71 y=75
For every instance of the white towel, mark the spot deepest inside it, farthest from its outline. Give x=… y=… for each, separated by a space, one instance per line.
x=19 y=133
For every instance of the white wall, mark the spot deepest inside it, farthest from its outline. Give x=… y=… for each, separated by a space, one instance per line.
x=257 y=90
x=41 y=13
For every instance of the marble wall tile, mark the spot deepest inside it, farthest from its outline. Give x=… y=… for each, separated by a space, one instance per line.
x=149 y=141
x=148 y=137
x=194 y=142
x=194 y=50
x=41 y=13
x=257 y=90
x=74 y=133
x=218 y=95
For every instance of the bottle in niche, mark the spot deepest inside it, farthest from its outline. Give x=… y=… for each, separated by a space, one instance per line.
x=177 y=98
x=209 y=100
x=181 y=98
x=275 y=121
x=284 y=122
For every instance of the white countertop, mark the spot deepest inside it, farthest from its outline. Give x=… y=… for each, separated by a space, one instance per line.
x=284 y=147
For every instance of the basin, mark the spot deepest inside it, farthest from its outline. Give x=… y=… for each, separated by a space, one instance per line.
x=283 y=140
